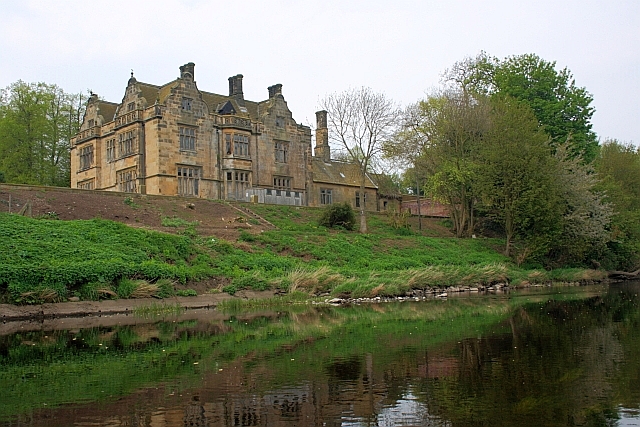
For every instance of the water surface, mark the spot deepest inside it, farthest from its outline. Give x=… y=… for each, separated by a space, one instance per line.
x=553 y=357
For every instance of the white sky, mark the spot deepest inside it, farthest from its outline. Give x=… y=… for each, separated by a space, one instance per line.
x=313 y=48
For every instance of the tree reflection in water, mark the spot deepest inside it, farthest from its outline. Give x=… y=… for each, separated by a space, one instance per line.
x=568 y=358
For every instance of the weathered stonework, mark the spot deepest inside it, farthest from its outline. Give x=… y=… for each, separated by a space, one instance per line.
x=177 y=140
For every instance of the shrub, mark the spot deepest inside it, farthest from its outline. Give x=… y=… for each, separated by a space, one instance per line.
x=338 y=215
x=126 y=287
x=165 y=288
x=94 y=291
x=186 y=293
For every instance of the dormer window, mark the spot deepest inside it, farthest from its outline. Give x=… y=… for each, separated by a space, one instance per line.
x=91 y=123
x=131 y=106
x=186 y=104
x=279 y=122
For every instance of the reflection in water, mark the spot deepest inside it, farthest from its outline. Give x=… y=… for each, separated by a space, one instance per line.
x=568 y=359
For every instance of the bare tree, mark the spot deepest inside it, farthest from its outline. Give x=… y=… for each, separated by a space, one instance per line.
x=359 y=121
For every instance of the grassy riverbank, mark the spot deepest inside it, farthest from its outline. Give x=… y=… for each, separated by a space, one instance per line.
x=44 y=260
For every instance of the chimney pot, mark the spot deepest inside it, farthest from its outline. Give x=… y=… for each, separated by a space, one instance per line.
x=275 y=90
x=188 y=70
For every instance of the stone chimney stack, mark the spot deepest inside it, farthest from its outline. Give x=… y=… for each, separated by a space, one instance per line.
x=275 y=90
x=235 y=89
x=322 y=149
x=235 y=86
x=188 y=70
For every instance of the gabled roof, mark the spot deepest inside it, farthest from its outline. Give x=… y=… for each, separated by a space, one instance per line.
x=340 y=173
x=149 y=92
x=214 y=101
x=107 y=110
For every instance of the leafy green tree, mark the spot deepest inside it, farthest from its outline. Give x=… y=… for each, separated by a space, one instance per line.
x=453 y=127
x=516 y=178
x=618 y=168
x=37 y=122
x=561 y=107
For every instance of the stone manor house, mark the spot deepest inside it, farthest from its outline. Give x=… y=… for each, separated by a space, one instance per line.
x=175 y=139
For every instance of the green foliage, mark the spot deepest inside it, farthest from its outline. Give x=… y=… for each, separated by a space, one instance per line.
x=246 y=236
x=126 y=287
x=94 y=291
x=562 y=108
x=177 y=222
x=166 y=288
x=517 y=179
x=37 y=122
x=253 y=281
x=64 y=255
x=618 y=168
x=338 y=215
x=186 y=293
x=50 y=260
x=50 y=215
x=130 y=202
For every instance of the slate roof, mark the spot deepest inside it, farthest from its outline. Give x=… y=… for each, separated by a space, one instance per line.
x=107 y=110
x=214 y=101
x=341 y=173
x=149 y=92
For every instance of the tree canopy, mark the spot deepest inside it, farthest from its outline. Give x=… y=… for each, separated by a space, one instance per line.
x=37 y=122
x=562 y=108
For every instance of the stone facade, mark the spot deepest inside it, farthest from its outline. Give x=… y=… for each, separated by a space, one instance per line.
x=177 y=140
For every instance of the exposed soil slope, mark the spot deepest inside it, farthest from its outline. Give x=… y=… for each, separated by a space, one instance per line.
x=215 y=218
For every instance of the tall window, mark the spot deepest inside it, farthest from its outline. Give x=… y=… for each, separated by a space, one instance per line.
x=126 y=143
x=188 y=181
x=187 y=139
x=86 y=157
x=358 y=199
x=240 y=145
x=326 y=196
x=237 y=184
x=282 y=182
x=111 y=150
x=282 y=152
x=127 y=181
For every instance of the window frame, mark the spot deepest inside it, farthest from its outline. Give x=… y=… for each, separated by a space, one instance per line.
x=282 y=182
x=281 y=152
x=86 y=157
x=110 y=152
x=189 y=180
x=187 y=137
x=326 y=196
x=127 y=180
x=126 y=143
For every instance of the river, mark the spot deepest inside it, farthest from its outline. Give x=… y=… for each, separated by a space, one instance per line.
x=555 y=356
